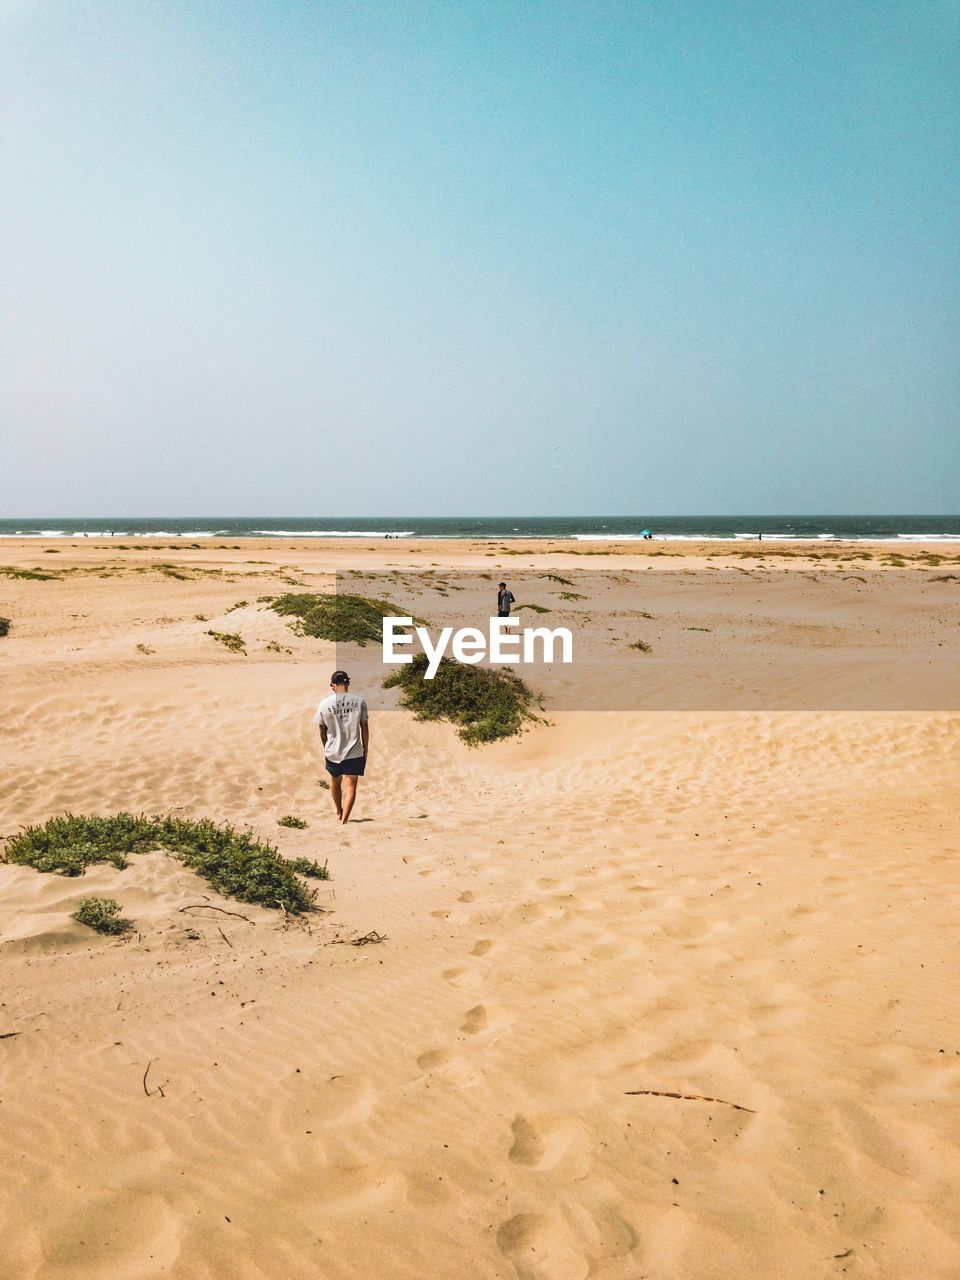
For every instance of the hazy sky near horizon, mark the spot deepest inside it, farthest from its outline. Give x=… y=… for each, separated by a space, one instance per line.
x=487 y=258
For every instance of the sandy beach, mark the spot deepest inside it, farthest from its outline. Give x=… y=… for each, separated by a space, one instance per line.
x=663 y=993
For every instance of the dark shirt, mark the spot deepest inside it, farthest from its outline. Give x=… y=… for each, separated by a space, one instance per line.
x=505 y=599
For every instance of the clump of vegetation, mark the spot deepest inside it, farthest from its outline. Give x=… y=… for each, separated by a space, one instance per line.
x=272 y=647
x=27 y=575
x=145 y=648
x=485 y=704
x=308 y=867
x=537 y=608
x=50 y=551
x=4 y=626
x=571 y=595
x=241 y=604
x=102 y=915
x=230 y=640
x=708 y=628
x=642 y=646
x=290 y=820
x=235 y=863
x=564 y=582
x=340 y=618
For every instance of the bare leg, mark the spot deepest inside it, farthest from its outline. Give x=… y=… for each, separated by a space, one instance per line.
x=349 y=795
x=335 y=793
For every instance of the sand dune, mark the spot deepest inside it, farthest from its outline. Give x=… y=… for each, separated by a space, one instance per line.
x=757 y=907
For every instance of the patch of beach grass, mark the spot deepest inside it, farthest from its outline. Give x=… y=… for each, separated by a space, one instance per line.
x=340 y=618
x=4 y=626
x=102 y=915
x=230 y=640
x=642 y=646
x=27 y=575
x=483 y=703
x=537 y=608
x=309 y=867
x=292 y=821
x=235 y=863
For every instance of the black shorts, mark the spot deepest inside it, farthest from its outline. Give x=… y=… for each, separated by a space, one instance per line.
x=352 y=768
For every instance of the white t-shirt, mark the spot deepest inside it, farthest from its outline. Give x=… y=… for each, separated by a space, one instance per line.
x=343 y=714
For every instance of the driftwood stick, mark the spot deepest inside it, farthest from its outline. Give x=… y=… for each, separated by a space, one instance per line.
x=686 y=1097
x=225 y=938
x=208 y=906
x=151 y=1092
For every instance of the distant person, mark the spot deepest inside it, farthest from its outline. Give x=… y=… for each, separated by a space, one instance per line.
x=505 y=599
x=345 y=733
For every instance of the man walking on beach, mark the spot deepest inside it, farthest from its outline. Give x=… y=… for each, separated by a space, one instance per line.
x=345 y=733
x=504 y=601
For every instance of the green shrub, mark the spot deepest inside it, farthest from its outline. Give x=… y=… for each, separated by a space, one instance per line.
x=537 y=608
x=308 y=867
x=485 y=704
x=235 y=863
x=102 y=915
x=298 y=824
x=340 y=618
x=4 y=626
x=28 y=575
x=230 y=640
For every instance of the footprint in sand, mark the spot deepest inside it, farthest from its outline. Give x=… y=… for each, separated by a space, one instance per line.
x=483 y=946
x=543 y=1141
x=133 y=1233
x=446 y=1066
x=462 y=977
x=477 y=1020
x=542 y=1248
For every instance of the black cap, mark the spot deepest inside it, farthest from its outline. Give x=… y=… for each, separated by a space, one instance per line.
x=339 y=677
x=501 y=584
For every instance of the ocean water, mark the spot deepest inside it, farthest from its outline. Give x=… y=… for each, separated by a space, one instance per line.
x=904 y=528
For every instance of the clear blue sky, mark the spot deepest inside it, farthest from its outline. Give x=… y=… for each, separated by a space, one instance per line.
x=479 y=258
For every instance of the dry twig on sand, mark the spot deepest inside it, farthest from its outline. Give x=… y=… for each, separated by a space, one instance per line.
x=686 y=1097
x=208 y=906
x=151 y=1093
